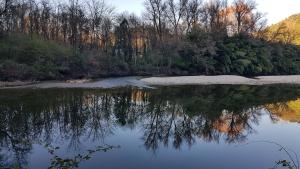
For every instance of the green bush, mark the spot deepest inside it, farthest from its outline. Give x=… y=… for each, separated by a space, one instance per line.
x=25 y=57
x=32 y=58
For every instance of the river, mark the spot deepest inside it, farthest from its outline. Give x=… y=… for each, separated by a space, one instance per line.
x=191 y=127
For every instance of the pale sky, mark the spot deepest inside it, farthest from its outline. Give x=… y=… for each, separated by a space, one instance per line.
x=275 y=10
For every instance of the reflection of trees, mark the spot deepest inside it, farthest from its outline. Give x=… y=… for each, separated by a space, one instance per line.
x=37 y=116
x=238 y=126
x=167 y=116
x=14 y=146
x=286 y=111
x=276 y=109
x=180 y=127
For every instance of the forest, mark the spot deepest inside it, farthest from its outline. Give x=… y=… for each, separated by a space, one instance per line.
x=46 y=40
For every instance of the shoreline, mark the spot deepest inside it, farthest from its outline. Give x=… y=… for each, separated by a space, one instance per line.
x=149 y=82
x=5 y=84
x=221 y=80
x=105 y=83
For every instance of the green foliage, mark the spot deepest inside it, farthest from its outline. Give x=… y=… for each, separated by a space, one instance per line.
x=240 y=55
x=31 y=58
x=285 y=164
x=243 y=56
x=24 y=57
x=291 y=25
x=69 y=163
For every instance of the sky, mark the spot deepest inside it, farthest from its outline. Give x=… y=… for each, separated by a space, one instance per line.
x=276 y=10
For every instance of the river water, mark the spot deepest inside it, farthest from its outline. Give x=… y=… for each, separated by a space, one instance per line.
x=190 y=127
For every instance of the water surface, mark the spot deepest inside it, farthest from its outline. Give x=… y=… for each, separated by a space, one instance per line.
x=190 y=127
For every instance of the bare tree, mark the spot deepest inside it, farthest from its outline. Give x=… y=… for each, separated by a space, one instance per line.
x=76 y=22
x=213 y=15
x=155 y=11
x=136 y=31
x=4 y=5
x=45 y=18
x=34 y=17
x=106 y=36
x=192 y=13
x=243 y=12
x=175 y=12
x=97 y=11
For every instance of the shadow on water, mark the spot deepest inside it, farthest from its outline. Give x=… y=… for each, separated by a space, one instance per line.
x=166 y=116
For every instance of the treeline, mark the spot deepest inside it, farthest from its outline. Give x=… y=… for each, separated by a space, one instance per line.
x=74 y=39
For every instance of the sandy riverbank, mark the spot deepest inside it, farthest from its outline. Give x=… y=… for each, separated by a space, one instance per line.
x=224 y=79
x=85 y=83
x=16 y=83
x=155 y=81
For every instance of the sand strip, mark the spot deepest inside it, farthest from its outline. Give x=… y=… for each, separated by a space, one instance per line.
x=89 y=84
x=224 y=79
x=156 y=81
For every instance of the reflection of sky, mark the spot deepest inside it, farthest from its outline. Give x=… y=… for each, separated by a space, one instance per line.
x=201 y=154
x=150 y=123
x=276 y=10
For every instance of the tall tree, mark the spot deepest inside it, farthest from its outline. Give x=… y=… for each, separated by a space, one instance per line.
x=243 y=12
x=212 y=16
x=45 y=18
x=155 y=11
x=175 y=12
x=192 y=14
x=98 y=10
x=123 y=41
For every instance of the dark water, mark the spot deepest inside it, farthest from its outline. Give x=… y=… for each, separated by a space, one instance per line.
x=204 y=127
